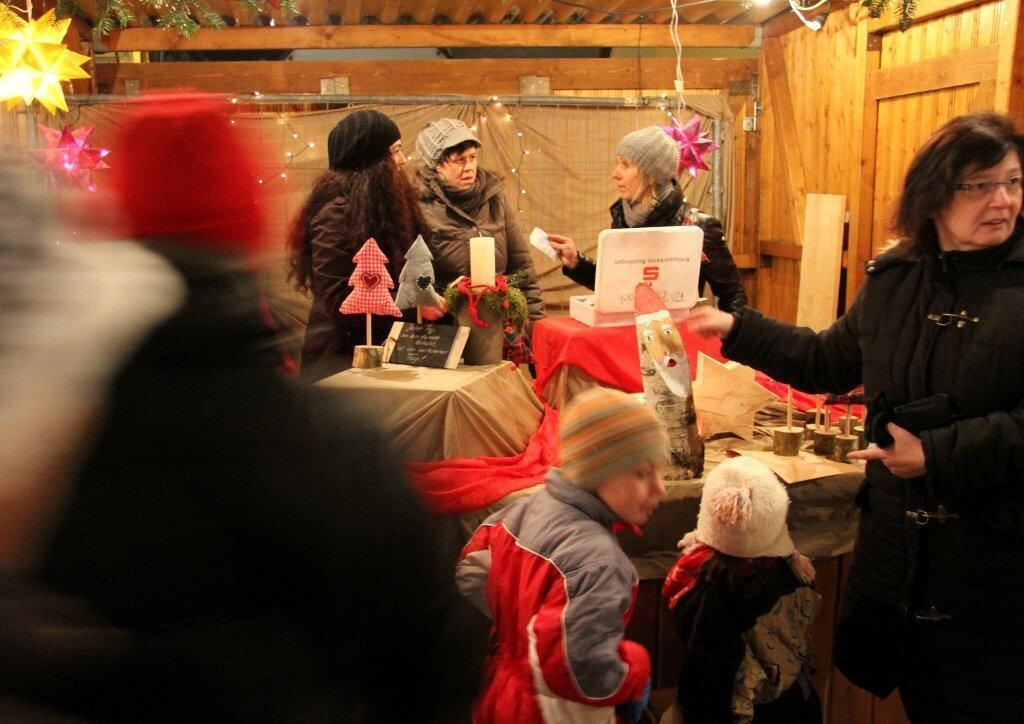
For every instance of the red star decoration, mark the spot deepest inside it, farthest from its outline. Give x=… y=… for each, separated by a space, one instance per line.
x=693 y=145
x=68 y=154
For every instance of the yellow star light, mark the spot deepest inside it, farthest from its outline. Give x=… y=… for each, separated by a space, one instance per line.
x=33 y=61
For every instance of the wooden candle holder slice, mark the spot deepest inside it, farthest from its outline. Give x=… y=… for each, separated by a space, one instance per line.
x=786 y=440
x=367 y=356
x=843 y=445
x=862 y=441
x=823 y=441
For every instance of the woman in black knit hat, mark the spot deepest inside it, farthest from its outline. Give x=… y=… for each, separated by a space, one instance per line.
x=364 y=193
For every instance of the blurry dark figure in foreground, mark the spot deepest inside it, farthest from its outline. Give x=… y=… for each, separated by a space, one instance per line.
x=256 y=539
x=68 y=314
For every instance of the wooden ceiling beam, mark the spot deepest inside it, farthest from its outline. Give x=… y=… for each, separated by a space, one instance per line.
x=390 y=11
x=424 y=77
x=730 y=14
x=446 y=8
x=498 y=10
x=370 y=9
x=425 y=11
x=463 y=11
x=315 y=11
x=561 y=13
x=597 y=16
x=352 y=12
x=530 y=11
x=430 y=36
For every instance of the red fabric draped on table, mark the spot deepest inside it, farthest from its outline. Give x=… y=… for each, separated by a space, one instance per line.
x=608 y=354
x=451 y=487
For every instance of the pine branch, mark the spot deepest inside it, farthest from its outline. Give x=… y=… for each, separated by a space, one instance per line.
x=907 y=10
x=181 y=16
x=65 y=8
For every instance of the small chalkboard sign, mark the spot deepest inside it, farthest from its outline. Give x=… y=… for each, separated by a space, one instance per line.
x=425 y=345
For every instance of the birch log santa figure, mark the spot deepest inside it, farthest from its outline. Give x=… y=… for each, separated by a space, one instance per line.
x=665 y=371
x=370 y=281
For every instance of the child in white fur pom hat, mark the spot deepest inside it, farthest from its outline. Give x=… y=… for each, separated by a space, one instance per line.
x=743 y=602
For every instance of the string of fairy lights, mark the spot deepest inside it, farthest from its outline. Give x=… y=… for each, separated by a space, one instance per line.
x=491 y=110
x=303 y=146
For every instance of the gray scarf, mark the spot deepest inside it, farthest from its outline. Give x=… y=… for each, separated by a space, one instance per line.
x=469 y=199
x=636 y=212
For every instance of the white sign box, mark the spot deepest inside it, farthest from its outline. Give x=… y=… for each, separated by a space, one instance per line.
x=666 y=256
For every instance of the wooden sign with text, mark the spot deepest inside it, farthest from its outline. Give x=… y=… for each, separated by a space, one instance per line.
x=425 y=345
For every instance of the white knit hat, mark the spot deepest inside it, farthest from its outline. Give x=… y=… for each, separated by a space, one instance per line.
x=743 y=511
x=438 y=136
x=653 y=152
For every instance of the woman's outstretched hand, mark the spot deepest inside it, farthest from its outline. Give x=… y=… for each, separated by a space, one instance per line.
x=710 y=322
x=904 y=458
x=566 y=248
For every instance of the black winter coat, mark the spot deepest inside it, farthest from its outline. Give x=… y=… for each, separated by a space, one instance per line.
x=255 y=537
x=921 y=591
x=719 y=270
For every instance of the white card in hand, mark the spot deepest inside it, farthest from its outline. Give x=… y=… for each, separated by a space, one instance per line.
x=539 y=239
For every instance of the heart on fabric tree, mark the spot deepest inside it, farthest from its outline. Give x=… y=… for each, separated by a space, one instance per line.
x=371 y=280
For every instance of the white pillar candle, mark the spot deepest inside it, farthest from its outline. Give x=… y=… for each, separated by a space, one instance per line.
x=481 y=260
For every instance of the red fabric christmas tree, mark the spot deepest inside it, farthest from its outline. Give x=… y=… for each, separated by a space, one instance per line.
x=371 y=282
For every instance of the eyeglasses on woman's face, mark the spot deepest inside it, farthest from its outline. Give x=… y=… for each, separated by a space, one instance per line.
x=462 y=160
x=985 y=189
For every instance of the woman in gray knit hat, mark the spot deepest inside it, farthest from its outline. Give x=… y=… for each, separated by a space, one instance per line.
x=459 y=201
x=646 y=166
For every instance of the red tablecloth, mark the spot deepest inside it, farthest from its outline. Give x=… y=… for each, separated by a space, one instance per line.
x=452 y=487
x=610 y=356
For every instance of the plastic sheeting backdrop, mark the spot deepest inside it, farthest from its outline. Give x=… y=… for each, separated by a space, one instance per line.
x=566 y=175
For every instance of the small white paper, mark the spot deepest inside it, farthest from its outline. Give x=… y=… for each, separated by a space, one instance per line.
x=539 y=239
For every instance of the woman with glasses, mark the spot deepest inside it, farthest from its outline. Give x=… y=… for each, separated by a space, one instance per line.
x=363 y=194
x=460 y=200
x=934 y=599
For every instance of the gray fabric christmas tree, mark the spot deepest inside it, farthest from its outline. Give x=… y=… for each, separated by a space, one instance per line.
x=416 y=282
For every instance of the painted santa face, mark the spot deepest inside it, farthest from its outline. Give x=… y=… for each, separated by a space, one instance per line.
x=660 y=337
x=633 y=494
x=984 y=208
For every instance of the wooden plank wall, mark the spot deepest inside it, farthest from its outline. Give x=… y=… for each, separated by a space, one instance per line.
x=921 y=56
x=856 y=137
x=822 y=141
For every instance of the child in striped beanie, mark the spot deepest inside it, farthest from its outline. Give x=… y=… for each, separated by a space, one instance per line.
x=550 y=573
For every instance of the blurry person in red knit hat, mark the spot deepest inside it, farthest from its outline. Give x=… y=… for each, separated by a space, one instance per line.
x=256 y=538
